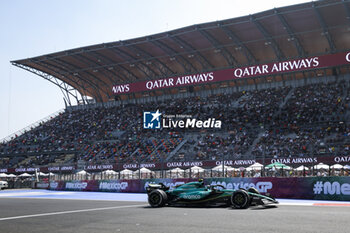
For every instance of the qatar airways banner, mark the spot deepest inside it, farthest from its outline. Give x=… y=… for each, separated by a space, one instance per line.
x=237 y=73
x=294 y=162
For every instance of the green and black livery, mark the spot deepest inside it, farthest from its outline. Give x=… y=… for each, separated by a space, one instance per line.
x=198 y=194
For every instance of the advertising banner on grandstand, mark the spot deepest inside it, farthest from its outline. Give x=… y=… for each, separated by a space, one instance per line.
x=119 y=186
x=318 y=188
x=57 y=169
x=309 y=161
x=42 y=185
x=301 y=64
x=294 y=162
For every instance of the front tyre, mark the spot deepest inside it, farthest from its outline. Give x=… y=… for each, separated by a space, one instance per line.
x=240 y=199
x=157 y=198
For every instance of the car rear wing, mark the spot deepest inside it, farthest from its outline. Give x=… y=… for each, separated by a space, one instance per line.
x=152 y=187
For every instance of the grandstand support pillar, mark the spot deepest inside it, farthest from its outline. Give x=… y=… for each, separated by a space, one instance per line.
x=255 y=83
x=223 y=164
x=71 y=66
x=72 y=79
x=313 y=157
x=263 y=162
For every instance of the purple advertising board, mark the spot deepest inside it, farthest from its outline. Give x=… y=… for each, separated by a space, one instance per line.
x=318 y=188
x=302 y=64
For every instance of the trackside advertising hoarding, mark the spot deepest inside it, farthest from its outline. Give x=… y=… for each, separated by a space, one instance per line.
x=302 y=64
x=317 y=188
x=293 y=161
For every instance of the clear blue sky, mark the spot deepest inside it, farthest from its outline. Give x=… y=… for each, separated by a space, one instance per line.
x=37 y=27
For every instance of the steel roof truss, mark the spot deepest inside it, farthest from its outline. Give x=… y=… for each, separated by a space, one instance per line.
x=325 y=28
x=292 y=36
x=107 y=68
x=201 y=59
x=223 y=51
x=77 y=81
x=94 y=85
x=240 y=45
x=186 y=65
x=66 y=89
x=140 y=65
x=68 y=75
x=84 y=59
x=143 y=67
x=164 y=69
x=268 y=38
x=347 y=10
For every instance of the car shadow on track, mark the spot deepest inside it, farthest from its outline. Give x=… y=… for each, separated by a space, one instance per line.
x=263 y=207
x=215 y=207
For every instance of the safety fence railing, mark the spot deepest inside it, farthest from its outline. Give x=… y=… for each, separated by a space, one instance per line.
x=197 y=174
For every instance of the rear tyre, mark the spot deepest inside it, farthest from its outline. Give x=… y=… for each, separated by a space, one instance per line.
x=157 y=198
x=240 y=199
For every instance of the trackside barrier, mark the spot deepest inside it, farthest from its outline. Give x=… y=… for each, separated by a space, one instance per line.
x=318 y=188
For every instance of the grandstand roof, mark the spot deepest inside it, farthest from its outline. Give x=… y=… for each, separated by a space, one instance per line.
x=278 y=34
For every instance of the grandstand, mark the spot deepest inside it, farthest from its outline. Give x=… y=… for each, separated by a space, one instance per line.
x=283 y=113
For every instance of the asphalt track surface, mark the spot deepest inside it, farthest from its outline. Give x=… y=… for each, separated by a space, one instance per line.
x=79 y=212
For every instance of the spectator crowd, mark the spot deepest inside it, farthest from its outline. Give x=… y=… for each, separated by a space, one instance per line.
x=277 y=122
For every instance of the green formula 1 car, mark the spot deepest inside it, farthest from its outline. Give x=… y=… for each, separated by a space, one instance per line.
x=198 y=194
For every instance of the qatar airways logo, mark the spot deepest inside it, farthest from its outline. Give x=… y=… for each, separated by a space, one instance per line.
x=179 y=81
x=121 y=88
x=327 y=60
x=278 y=67
x=165 y=83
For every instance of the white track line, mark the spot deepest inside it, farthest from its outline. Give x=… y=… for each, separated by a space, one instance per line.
x=18 y=194
x=68 y=212
x=295 y=204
